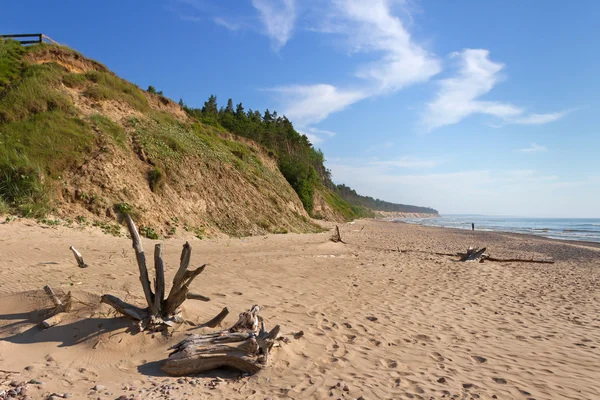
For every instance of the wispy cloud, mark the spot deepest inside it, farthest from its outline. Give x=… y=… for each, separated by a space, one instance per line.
x=278 y=18
x=366 y=27
x=406 y=162
x=317 y=135
x=232 y=26
x=459 y=97
x=534 y=148
x=540 y=119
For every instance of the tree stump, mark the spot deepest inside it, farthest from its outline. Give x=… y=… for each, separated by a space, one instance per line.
x=160 y=312
x=245 y=346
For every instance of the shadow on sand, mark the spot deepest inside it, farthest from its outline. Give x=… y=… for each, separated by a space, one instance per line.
x=25 y=329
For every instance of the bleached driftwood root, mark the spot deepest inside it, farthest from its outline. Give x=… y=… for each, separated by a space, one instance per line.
x=161 y=312
x=78 y=257
x=337 y=237
x=61 y=307
x=245 y=346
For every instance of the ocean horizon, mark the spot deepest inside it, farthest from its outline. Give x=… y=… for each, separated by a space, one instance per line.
x=580 y=229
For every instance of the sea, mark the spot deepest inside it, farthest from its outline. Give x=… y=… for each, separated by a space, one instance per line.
x=582 y=229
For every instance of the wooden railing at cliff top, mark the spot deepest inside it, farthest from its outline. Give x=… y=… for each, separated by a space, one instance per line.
x=29 y=38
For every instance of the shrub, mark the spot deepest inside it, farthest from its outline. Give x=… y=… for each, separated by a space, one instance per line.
x=156 y=179
x=149 y=232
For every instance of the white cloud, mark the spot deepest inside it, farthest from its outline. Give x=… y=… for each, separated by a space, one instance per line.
x=278 y=17
x=533 y=148
x=310 y=104
x=459 y=97
x=367 y=27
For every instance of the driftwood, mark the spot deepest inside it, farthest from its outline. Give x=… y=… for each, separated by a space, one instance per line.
x=245 y=346
x=60 y=308
x=337 y=237
x=472 y=254
x=160 y=312
x=78 y=257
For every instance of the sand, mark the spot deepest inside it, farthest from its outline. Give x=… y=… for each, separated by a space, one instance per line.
x=377 y=323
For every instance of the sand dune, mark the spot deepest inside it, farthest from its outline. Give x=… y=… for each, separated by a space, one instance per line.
x=377 y=323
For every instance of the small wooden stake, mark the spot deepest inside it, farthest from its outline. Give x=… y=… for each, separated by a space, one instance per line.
x=78 y=257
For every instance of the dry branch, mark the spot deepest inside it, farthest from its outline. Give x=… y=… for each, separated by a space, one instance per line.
x=217 y=320
x=78 y=257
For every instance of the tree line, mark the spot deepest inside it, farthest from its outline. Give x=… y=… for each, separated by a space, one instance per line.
x=300 y=163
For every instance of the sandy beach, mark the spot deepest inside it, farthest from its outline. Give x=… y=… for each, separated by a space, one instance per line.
x=377 y=323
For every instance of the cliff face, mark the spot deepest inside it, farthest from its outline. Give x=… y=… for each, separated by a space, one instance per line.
x=81 y=143
x=393 y=215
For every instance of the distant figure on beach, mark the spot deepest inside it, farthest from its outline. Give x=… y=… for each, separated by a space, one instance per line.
x=472 y=226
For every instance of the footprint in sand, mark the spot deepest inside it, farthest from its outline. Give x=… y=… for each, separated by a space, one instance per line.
x=479 y=359
x=389 y=363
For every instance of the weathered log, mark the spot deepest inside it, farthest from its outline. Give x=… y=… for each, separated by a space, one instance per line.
x=159 y=283
x=78 y=257
x=124 y=308
x=196 y=296
x=53 y=320
x=141 y=261
x=241 y=347
x=205 y=362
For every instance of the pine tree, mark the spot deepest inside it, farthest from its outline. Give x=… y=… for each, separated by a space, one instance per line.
x=239 y=111
x=229 y=108
x=210 y=106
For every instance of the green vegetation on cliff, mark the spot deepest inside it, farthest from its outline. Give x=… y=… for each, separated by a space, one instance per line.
x=65 y=119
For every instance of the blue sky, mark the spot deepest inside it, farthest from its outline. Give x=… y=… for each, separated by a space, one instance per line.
x=471 y=106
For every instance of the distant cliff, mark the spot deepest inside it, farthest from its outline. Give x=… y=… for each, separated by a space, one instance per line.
x=394 y=215
x=377 y=205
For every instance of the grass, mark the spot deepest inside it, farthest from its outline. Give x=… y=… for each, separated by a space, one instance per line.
x=11 y=53
x=107 y=86
x=341 y=206
x=109 y=128
x=33 y=93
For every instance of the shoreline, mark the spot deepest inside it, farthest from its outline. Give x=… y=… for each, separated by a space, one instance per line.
x=573 y=241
